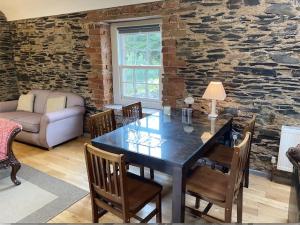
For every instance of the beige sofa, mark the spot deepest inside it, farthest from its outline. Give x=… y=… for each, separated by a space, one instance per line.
x=47 y=129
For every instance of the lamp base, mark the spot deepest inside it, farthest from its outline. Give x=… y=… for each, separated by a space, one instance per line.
x=213 y=113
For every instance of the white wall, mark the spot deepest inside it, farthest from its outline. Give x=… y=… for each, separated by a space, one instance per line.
x=24 y=9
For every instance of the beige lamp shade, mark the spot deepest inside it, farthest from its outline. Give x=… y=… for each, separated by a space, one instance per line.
x=215 y=91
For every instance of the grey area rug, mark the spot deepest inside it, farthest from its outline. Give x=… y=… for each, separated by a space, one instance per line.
x=38 y=199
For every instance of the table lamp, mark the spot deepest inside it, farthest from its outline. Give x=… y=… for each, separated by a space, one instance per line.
x=215 y=91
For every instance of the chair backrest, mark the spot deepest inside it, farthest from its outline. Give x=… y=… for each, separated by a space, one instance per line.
x=133 y=110
x=102 y=123
x=107 y=178
x=238 y=165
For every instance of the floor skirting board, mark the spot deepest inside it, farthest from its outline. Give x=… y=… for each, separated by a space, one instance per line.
x=277 y=176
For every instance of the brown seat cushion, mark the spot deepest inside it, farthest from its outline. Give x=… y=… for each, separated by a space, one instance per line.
x=30 y=121
x=140 y=191
x=208 y=183
x=221 y=154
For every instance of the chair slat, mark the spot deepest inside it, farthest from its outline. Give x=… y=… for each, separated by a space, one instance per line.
x=133 y=110
x=102 y=123
x=115 y=174
x=109 y=174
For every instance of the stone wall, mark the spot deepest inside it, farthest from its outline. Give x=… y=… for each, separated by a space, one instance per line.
x=50 y=53
x=250 y=45
x=253 y=47
x=8 y=81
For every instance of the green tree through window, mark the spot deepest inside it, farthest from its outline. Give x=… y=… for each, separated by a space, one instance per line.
x=140 y=63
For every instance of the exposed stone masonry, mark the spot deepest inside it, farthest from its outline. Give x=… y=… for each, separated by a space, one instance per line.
x=252 y=46
x=50 y=53
x=8 y=81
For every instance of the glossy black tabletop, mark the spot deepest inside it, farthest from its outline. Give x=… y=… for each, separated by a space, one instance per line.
x=173 y=138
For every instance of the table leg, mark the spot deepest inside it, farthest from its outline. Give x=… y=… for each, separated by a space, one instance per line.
x=178 y=195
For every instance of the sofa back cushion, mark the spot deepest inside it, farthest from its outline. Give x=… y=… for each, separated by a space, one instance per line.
x=41 y=97
x=55 y=104
x=72 y=99
x=25 y=103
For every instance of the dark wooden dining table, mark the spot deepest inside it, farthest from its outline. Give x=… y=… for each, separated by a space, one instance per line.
x=170 y=144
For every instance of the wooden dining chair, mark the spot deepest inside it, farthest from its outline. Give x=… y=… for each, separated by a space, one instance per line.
x=222 y=155
x=102 y=123
x=115 y=190
x=219 y=188
x=135 y=110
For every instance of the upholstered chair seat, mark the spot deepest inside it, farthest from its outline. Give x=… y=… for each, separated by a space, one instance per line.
x=8 y=130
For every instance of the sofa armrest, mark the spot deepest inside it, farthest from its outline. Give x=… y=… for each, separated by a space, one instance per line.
x=8 y=106
x=60 y=115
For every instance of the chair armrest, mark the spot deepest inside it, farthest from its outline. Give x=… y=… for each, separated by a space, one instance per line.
x=8 y=106
x=60 y=115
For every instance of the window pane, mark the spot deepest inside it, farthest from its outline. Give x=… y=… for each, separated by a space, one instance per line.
x=153 y=91
x=141 y=41
x=128 y=51
x=141 y=90
x=155 y=41
x=128 y=90
x=153 y=76
x=129 y=40
x=129 y=57
x=155 y=58
x=127 y=75
x=140 y=76
x=141 y=58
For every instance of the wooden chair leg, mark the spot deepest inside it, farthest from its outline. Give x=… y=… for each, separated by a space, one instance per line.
x=158 y=208
x=228 y=214
x=126 y=220
x=240 y=205
x=197 y=203
x=95 y=212
x=15 y=167
x=142 y=172
x=151 y=174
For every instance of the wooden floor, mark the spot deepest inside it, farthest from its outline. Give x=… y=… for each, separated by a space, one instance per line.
x=264 y=201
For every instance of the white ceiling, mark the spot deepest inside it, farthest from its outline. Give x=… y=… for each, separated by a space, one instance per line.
x=24 y=9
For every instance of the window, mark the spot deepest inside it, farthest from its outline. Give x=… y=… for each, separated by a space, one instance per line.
x=137 y=63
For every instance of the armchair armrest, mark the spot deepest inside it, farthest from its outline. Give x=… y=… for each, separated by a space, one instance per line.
x=60 y=115
x=8 y=106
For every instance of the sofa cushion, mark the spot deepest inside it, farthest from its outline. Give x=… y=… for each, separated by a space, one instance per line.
x=55 y=104
x=25 y=103
x=72 y=99
x=29 y=121
x=41 y=97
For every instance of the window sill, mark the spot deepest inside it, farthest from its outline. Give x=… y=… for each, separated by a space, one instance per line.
x=119 y=108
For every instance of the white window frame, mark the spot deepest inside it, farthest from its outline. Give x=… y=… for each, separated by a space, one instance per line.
x=117 y=89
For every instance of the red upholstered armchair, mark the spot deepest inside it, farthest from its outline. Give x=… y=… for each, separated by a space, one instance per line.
x=8 y=131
